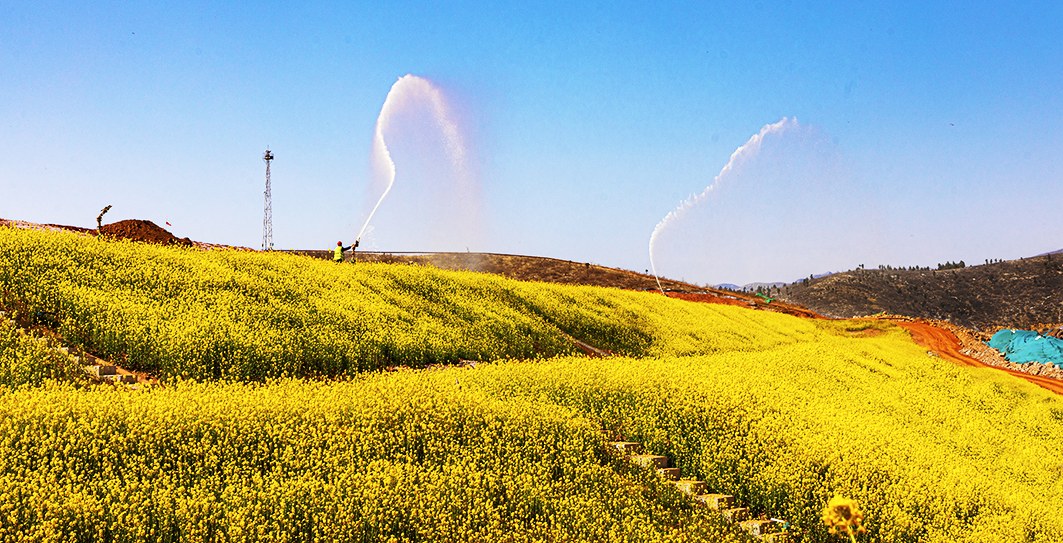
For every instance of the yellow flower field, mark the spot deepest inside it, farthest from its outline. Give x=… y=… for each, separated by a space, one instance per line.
x=782 y=413
x=252 y=316
x=29 y=359
x=398 y=457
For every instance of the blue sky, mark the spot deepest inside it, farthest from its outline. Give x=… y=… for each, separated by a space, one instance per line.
x=932 y=131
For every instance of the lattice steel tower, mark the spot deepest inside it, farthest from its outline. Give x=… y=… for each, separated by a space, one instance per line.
x=267 y=218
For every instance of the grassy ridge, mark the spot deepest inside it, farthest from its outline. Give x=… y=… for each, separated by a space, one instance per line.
x=252 y=316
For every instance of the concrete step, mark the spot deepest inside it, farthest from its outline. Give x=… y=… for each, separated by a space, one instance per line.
x=691 y=486
x=127 y=378
x=757 y=527
x=672 y=474
x=777 y=537
x=91 y=360
x=626 y=447
x=735 y=514
x=101 y=370
x=649 y=460
x=718 y=502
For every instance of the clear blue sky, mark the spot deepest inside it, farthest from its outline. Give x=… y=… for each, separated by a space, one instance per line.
x=931 y=131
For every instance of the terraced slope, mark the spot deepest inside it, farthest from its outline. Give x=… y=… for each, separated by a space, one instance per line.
x=932 y=450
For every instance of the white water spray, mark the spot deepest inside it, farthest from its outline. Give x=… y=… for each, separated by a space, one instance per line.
x=744 y=152
x=410 y=89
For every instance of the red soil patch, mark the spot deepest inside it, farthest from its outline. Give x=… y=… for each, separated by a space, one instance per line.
x=937 y=339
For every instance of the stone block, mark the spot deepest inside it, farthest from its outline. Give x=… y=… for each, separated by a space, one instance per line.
x=777 y=537
x=672 y=474
x=101 y=370
x=757 y=527
x=626 y=447
x=718 y=502
x=649 y=460
x=127 y=378
x=691 y=486
x=735 y=514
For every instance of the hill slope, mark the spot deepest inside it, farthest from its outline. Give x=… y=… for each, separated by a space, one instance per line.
x=243 y=315
x=567 y=272
x=1017 y=293
x=778 y=411
x=524 y=268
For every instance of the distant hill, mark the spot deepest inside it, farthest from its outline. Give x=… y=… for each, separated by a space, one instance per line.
x=1023 y=293
x=764 y=286
x=554 y=270
x=524 y=268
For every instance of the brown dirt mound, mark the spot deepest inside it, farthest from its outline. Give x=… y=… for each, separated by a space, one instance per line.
x=143 y=231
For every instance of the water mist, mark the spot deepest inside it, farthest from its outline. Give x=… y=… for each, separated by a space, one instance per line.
x=745 y=152
x=408 y=91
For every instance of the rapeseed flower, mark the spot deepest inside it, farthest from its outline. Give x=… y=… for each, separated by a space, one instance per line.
x=843 y=516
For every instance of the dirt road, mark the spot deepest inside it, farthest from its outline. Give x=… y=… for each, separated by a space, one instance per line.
x=947 y=345
x=937 y=339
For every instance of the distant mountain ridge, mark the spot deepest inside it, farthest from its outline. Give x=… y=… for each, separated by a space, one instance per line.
x=1023 y=293
x=764 y=285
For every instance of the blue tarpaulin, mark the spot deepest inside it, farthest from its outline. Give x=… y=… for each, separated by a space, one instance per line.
x=1021 y=346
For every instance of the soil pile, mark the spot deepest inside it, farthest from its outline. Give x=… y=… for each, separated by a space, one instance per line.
x=143 y=231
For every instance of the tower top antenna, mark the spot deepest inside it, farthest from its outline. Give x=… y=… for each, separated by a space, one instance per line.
x=267 y=214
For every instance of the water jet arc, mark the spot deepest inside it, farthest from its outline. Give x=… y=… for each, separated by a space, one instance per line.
x=744 y=152
x=408 y=90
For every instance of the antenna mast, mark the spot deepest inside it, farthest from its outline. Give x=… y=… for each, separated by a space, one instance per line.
x=267 y=218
